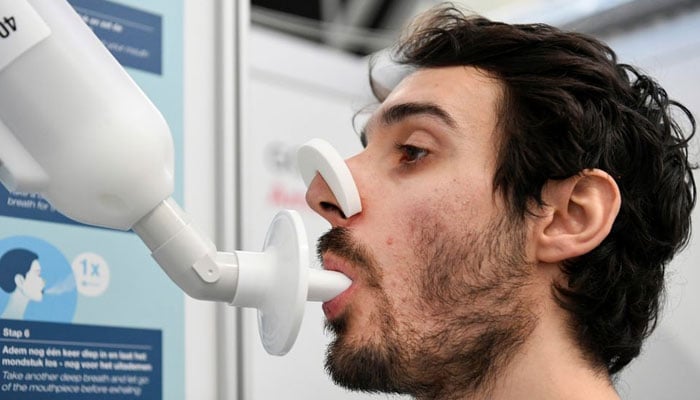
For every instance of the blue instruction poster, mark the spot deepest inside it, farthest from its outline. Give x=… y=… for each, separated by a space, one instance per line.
x=42 y=360
x=85 y=313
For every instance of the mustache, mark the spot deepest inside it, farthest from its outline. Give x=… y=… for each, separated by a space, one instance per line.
x=339 y=241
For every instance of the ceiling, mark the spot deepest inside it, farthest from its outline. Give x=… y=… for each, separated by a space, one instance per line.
x=365 y=26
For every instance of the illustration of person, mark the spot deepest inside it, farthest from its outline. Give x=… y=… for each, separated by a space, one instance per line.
x=20 y=276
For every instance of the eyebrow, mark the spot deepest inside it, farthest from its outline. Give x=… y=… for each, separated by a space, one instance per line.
x=400 y=112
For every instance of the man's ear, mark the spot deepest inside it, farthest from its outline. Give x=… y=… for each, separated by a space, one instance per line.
x=19 y=281
x=577 y=216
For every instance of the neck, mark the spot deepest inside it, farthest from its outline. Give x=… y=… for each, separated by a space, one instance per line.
x=16 y=306
x=550 y=366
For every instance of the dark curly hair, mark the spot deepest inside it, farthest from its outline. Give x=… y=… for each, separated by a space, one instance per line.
x=569 y=106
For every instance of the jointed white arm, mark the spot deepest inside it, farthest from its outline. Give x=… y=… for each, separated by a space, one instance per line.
x=277 y=281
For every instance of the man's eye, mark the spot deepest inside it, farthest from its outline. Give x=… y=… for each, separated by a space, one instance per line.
x=411 y=154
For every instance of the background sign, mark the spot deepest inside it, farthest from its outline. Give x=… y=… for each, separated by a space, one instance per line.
x=70 y=362
x=85 y=313
x=135 y=37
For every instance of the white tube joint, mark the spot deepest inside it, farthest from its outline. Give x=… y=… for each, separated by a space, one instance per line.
x=186 y=255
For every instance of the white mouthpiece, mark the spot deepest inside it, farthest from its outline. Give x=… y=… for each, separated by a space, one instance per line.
x=325 y=285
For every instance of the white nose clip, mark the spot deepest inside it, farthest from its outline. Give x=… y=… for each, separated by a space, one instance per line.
x=317 y=155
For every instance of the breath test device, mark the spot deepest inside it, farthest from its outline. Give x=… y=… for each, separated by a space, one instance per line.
x=75 y=128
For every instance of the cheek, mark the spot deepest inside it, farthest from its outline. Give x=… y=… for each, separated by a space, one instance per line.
x=401 y=227
x=403 y=248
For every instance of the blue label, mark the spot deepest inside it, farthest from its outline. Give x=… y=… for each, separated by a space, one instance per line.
x=41 y=360
x=133 y=36
x=30 y=206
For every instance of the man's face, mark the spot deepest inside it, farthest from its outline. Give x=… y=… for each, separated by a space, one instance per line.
x=33 y=284
x=438 y=267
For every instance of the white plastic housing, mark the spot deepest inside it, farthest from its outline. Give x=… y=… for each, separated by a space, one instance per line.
x=75 y=127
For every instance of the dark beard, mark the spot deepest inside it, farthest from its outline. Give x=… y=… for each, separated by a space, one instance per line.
x=373 y=367
x=469 y=344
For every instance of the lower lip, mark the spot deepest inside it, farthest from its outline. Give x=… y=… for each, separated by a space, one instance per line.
x=334 y=307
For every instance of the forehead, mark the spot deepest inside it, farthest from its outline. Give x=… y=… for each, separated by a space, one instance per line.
x=471 y=97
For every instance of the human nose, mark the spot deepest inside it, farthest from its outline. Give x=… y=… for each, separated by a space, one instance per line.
x=321 y=199
x=332 y=192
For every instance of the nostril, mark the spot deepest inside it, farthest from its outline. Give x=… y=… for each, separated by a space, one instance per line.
x=326 y=206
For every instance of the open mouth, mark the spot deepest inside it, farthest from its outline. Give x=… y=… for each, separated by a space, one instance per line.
x=334 y=307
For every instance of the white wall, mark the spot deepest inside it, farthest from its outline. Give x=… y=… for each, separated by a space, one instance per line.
x=669 y=367
x=212 y=60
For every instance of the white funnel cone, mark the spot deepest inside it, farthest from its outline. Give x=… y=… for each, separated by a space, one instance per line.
x=278 y=281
